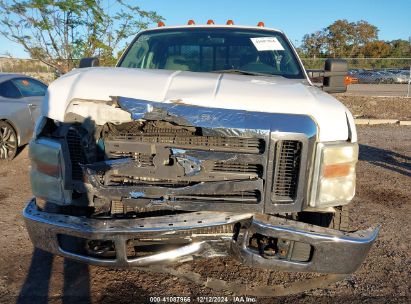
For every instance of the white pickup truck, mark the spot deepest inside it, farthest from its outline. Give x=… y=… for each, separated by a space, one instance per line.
x=204 y=141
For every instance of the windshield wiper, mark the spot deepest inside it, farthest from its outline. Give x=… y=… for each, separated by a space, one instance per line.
x=241 y=72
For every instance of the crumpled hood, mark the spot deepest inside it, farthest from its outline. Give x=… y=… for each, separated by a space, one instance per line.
x=229 y=91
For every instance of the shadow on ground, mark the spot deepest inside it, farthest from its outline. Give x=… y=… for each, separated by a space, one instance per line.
x=76 y=285
x=386 y=159
x=20 y=150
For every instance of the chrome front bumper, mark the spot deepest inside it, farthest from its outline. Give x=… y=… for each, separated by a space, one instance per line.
x=332 y=251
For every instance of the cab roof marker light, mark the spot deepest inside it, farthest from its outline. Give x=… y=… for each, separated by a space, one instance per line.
x=191 y=22
x=210 y=22
x=260 y=24
x=161 y=24
x=230 y=22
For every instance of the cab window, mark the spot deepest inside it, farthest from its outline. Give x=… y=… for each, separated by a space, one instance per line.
x=213 y=50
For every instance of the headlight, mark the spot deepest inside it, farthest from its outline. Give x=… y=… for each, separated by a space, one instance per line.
x=47 y=171
x=334 y=177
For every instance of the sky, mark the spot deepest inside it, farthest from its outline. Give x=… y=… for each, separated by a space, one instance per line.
x=294 y=17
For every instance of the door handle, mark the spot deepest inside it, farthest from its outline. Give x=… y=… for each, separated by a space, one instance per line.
x=32 y=105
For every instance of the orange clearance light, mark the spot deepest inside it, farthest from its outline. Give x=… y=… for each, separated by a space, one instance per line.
x=191 y=22
x=161 y=24
x=230 y=22
x=210 y=21
x=260 y=24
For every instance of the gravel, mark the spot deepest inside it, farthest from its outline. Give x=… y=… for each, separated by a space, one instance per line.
x=377 y=107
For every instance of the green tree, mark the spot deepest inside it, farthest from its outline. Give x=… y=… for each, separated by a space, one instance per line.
x=340 y=39
x=313 y=44
x=376 y=49
x=400 y=48
x=345 y=39
x=363 y=33
x=339 y=36
x=59 y=32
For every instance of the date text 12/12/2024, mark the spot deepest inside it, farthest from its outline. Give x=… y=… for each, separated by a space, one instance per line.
x=203 y=299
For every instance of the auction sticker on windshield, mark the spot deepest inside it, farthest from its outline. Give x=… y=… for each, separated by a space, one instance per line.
x=267 y=44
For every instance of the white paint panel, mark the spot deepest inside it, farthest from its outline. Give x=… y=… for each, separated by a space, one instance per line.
x=229 y=91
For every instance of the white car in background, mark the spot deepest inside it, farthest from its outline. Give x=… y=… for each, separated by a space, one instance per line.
x=20 y=102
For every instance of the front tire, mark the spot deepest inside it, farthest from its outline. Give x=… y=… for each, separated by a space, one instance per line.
x=8 y=141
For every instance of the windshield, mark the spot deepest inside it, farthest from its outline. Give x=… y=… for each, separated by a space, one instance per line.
x=215 y=49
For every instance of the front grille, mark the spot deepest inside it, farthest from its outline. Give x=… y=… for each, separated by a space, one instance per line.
x=77 y=155
x=244 y=197
x=215 y=143
x=238 y=168
x=287 y=169
x=125 y=180
x=143 y=159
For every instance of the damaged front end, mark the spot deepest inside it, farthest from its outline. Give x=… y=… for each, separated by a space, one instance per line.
x=256 y=240
x=159 y=165
x=131 y=182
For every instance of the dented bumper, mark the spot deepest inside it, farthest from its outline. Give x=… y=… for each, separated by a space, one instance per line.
x=205 y=235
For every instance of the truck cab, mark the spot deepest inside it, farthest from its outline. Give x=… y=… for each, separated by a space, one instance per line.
x=204 y=141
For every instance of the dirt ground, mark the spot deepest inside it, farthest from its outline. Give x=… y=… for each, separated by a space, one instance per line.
x=377 y=107
x=383 y=196
x=380 y=89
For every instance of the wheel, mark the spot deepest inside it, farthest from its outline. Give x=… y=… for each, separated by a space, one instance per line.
x=8 y=141
x=338 y=220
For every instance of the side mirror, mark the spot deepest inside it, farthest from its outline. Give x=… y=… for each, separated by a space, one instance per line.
x=89 y=62
x=335 y=71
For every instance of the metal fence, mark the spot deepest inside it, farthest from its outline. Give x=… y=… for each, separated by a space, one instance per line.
x=362 y=63
x=371 y=76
